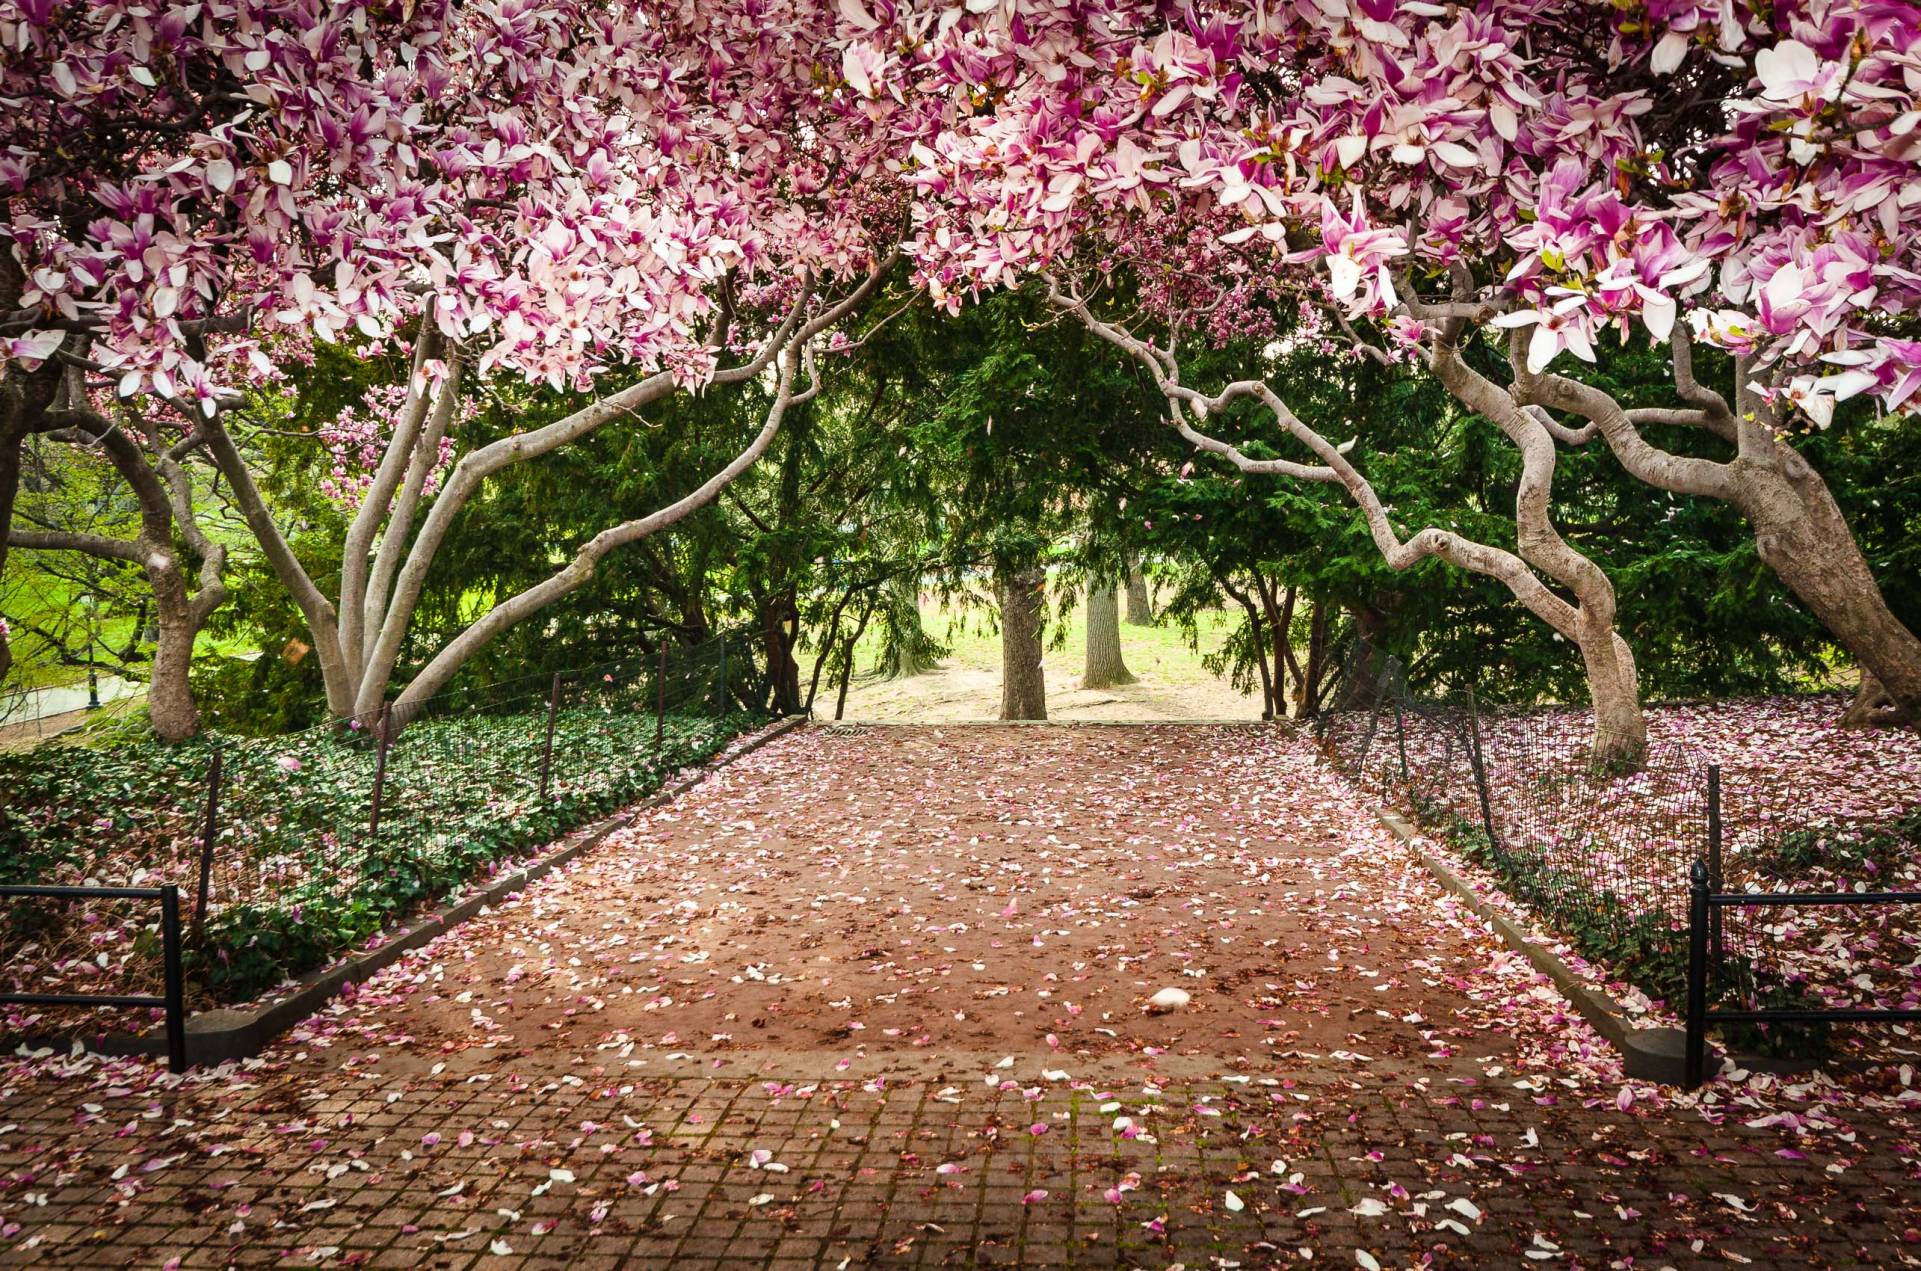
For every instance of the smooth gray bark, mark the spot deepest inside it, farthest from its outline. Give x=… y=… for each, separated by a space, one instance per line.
x=163 y=494
x=1799 y=531
x=1620 y=729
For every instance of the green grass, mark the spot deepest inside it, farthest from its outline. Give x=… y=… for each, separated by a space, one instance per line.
x=34 y=597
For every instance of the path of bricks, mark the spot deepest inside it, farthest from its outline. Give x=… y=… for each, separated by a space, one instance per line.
x=877 y=997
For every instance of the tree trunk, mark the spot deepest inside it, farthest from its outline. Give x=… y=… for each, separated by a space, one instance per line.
x=777 y=638
x=1873 y=707
x=1105 y=667
x=1799 y=531
x=908 y=651
x=1801 y=535
x=1308 y=703
x=170 y=703
x=1023 y=687
x=827 y=648
x=1140 y=603
x=1284 y=660
x=847 y=662
x=1271 y=707
x=1270 y=695
x=1620 y=728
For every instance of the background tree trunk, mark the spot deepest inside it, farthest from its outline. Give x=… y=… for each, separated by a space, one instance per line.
x=778 y=622
x=1023 y=686
x=908 y=652
x=1307 y=702
x=1104 y=667
x=847 y=660
x=1140 y=603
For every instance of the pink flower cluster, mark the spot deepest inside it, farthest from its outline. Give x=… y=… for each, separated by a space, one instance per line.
x=577 y=184
x=1580 y=192
x=197 y=187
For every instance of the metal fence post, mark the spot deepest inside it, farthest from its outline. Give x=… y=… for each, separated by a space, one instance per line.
x=380 y=768
x=1697 y=1013
x=1478 y=762
x=547 y=753
x=660 y=697
x=1715 y=878
x=176 y=995
x=208 y=833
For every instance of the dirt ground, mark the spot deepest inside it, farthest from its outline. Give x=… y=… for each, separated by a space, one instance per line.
x=878 y=996
x=974 y=889
x=958 y=693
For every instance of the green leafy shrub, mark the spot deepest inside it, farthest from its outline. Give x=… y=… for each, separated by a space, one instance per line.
x=298 y=876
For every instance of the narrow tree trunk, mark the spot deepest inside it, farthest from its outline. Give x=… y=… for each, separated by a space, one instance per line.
x=777 y=637
x=1308 y=703
x=831 y=643
x=170 y=703
x=1270 y=696
x=1270 y=691
x=847 y=662
x=1140 y=604
x=1284 y=660
x=1023 y=687
x=1104 y=667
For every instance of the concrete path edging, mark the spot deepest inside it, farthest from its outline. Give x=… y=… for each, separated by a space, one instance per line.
x=229 y=1033
x=1648 y=1054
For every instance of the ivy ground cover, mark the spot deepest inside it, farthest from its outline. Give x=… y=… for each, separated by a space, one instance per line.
x=1602 y=857
x=300 y=874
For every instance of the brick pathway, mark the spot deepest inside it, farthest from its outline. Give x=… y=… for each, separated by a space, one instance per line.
x=877 y=998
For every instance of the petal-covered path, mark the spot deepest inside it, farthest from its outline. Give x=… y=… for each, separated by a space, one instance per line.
x=880 y=997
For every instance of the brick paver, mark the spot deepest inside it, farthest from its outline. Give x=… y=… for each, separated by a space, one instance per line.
x=876 y=998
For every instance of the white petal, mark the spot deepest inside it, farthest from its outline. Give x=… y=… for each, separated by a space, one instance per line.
x=1541 y=349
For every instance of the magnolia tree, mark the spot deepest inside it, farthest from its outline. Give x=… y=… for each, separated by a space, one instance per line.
x=1533 y=172
x=556 y=191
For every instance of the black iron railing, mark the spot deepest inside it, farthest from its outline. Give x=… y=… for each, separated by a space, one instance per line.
x=1596 y=838
x=173 y=999
x=367 y=818
x=1705 y=904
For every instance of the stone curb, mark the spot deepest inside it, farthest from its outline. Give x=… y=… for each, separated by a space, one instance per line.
x=228 y=1033
x=1648 y=1054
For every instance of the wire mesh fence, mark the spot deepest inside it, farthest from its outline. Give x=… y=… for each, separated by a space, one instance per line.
x=289 y=849
x=1596 y=833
